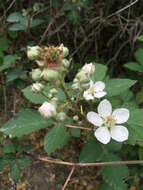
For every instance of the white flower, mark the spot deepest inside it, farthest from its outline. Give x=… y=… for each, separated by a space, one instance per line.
x=106 y=121
x=95 y=90
x=89 y=68
x=47 y=110
x=37 y=87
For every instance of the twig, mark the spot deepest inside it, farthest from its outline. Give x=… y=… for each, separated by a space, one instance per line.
x=52 y=161
x=4 y=95
x=79 y=127
x=69 y=177
x=52 y=21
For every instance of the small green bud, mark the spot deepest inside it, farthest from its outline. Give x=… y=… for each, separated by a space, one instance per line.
x=50 y=75
x=53 y=91
x=40 y=63
x=82 y=77
x=61 y=116
x=85 y=86
x=75 y=118
x=37 y=87
x=65 y=50
x=75 y=80
x=66 y=63
x=33 y=52
x=89 y=68
x=36 y=74
x=50 y=95
x=75 y=86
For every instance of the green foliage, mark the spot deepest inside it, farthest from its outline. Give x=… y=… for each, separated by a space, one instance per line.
x=8 y=60
x=56 y=138
x=135 y=123
x=114 y=175
x=15 y=172
x=25 y=122
x=100 y=72
x=24 y=162
x=75 y=132
x=117 y=86
x=91 y=152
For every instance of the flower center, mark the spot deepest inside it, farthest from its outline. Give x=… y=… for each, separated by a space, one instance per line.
x=110 y=121
x=92 y=89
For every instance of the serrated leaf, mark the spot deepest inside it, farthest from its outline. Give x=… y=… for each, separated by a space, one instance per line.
x=24 y=162
x=100 y=72
x=35 y=98
x=117 y=86
x=56 y=138
x=14 y=74
x=8 y=60
x=105 y=187
x=25 y=122
x=3 y=163
x=134 y=66
x=139 y=56
x=113 y=146
x=91 y=152
x=15 y=172
x=8 y=148
x=14 y=17
x=114 y=175
x=135 y=126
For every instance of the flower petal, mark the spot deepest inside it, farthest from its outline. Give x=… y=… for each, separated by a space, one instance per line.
x=119 y=133
x=104 y=108
x=99 y=86
x=91 y=83
x=87 y=95
x=121 y=115
x=103 y=135
x=99 y=94
x=94 y=118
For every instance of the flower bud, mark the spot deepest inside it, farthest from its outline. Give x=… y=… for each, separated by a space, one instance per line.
x=89 y=68
x=47 y=110
x=37 y=87
x=54 y=101
x=50 y=95
x=33 y=52
x=50 y=75
x=40 y=63
x=53 y=91
x=61 y=116
x=82 y=77
x=65 y=63
x=75 y=86
x=65 y=50
x=75 y=118
x=36 y=74
x=85 y=86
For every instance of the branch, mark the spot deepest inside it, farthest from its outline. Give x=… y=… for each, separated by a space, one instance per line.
x=52 y=161
x=79 y=127
x=68 y=179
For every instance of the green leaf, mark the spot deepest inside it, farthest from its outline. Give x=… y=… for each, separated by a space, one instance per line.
x=34 y=97
x=117 y=86
x=113 y=146
x=8 y=148
x=14 y=17
x=105 y=187
x=91 y=152
x=14 y=74
x=8 y=60
x=4 y=42
x=24 y=162
x=36 y=22
x=17 y=27
x=15 y=172
x=134 y=66
x=139 y=56
x=75 y=132
x=135 y=125
x=114 y=175
x=25 y=122
x=3 y=163
x=56 y=138
x=140 y=38
x=100 y=72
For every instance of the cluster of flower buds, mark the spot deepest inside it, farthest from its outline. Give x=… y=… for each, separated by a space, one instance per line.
x=82 y=78
x=52 y=63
